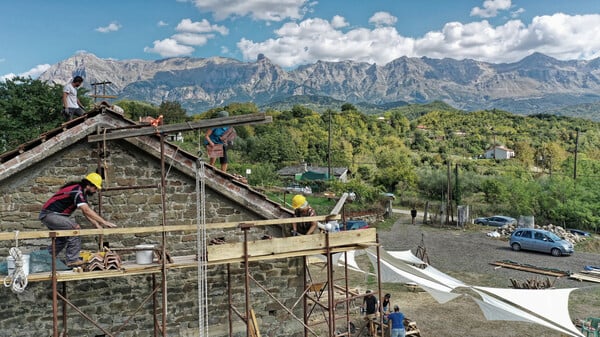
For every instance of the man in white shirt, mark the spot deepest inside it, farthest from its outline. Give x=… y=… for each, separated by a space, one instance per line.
x=71 y=104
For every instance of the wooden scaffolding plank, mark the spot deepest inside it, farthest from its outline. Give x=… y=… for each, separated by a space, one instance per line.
x=292 y=244
x=255 y=118
x=8 y=236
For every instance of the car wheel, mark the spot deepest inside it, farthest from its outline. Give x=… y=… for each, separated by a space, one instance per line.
x=555 y=252
x=516 y=247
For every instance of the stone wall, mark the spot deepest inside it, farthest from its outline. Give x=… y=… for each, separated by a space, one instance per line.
x=113 y=301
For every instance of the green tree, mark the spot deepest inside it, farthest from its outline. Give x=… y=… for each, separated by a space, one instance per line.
x=27 y=109
x=173 y=112
x=135 y=110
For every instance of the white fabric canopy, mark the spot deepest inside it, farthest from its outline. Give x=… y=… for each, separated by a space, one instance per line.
x=544 y=307
x=552 y=305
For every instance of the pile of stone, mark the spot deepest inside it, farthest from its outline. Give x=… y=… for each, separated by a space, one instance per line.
x=506 y=231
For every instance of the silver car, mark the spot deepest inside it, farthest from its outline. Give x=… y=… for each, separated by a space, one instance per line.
x=496 y=220
x=540 y=240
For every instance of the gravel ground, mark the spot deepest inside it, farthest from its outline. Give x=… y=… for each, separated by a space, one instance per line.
x=467 y=255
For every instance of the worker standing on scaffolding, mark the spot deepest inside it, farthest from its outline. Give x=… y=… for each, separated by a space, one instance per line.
x=303 y=209
x=56 y=213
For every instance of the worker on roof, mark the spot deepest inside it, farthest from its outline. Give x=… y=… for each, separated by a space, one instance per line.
x=56 y=213
x=215 y=136
x=303 y=209
x=71 y=104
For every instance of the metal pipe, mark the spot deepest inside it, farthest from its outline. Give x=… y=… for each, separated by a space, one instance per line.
x=84 y=315
x=229 y=299
x=54 y=288
x=346 y=291
x=379 y=282
x=304 y=302
x=330 y=293
x=121 y=188
x=64 y=307
x=154 y=306
x=246 y=279
x=164 y=234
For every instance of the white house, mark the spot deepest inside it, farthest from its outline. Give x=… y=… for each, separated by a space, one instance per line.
x=499 y=152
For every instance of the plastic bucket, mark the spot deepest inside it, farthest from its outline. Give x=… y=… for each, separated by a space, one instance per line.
x=144 y=256
x=10 y=262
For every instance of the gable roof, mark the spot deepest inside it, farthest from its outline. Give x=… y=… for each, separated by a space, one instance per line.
x=104 y=117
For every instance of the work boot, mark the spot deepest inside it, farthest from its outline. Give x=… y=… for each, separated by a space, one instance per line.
x=75 y=263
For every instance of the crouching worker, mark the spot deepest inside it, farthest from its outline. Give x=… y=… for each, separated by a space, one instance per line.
x=303 y=209
x=56 y=213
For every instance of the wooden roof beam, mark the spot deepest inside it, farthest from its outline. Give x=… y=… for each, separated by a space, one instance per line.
x=257 y=118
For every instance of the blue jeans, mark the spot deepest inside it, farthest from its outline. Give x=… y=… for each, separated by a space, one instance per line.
x=398 y=333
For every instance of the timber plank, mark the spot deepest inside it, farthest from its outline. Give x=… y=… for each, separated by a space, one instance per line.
x=277 y=246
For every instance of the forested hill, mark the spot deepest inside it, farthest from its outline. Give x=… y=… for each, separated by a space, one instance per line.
x=406 y=150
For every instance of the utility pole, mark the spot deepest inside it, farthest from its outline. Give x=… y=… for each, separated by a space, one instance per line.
x=329 y=149
x=448 y=195
x=575 y=158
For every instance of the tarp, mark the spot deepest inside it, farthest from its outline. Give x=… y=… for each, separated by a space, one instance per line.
x=311 y=175
x=552 y=305
x=546 y=307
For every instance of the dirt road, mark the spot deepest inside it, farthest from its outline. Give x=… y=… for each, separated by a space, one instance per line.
x=466 y=255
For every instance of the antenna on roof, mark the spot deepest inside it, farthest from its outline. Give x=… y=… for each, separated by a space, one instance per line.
x=104 y=95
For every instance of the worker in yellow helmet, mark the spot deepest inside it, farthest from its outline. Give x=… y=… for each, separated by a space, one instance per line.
x=303 y=209
x=56 y=213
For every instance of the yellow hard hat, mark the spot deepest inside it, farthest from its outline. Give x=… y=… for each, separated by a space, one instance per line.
x=95 y=179
x=298 y=201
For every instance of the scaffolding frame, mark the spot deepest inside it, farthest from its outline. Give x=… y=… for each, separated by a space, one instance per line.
x=347 y=241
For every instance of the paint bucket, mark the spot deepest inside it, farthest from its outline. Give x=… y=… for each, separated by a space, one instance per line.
x=10 y=262
x=144 y=254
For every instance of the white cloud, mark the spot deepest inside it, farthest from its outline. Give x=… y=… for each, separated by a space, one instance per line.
x=267 y=10
x=339 y=22
x=161 y=23
x=490 y=8
x=200 y=27
x=169 y=48
x=561 y=36
x=34 y=72
x=192 y=39
x=517 y=12
x=112 y=27
x=6 y=77
x=380 y=19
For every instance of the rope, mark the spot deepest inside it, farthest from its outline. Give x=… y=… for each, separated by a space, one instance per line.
x=18 y=280
x=201 y=246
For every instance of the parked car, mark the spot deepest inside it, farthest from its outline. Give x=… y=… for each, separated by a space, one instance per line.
x=540 y=240
x=299 y=189
x=579 y=232
x=496 y=220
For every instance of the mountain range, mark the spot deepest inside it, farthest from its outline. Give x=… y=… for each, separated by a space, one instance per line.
x=536 y=84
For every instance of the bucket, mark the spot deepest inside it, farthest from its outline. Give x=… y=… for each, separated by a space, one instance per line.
x=144 y=256
x=10 y=262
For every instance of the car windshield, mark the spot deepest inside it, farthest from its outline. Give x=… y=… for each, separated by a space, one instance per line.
x=553 y=236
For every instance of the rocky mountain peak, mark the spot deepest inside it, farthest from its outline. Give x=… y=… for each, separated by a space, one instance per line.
x=202 y=83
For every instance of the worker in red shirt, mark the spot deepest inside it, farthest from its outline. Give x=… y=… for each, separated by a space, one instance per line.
x=56 y=212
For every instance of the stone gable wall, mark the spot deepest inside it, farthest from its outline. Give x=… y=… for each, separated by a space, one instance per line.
x=112 y=301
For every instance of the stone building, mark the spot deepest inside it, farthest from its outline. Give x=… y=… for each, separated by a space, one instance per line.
x=30 y=174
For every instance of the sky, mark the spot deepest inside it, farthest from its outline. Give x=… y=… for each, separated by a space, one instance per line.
x=35 y=34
